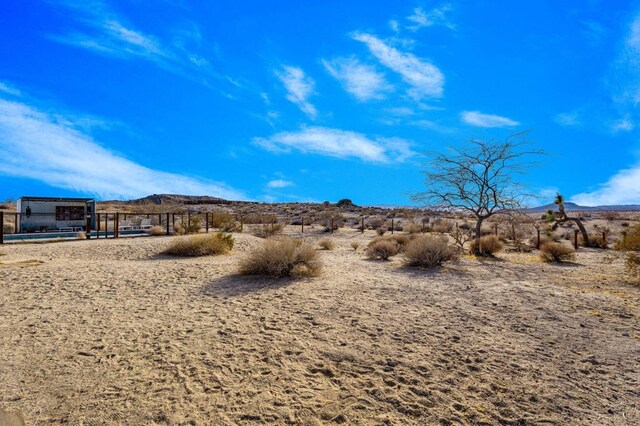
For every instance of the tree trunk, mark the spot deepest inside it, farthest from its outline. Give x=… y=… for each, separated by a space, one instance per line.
x=583 y=231
x=479 y=221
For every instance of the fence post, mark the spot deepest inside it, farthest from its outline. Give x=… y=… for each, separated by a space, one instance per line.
x=88 y=227
x=303 y=224
x=206 y=220
x=116 y=226
x=362 y=225
x=98 y=225
x=173 y=220
x=332 y=225
x=168 y=223
x=604 y=238
x=496 y=229
x=538 y=241
x=159 y=219
x=392 y=226
x=575 y=239
x=15 y=223
x=241 y=223
x=1 y=227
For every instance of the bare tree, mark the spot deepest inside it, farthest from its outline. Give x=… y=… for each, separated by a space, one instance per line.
x=562 y=217
x=478 y=178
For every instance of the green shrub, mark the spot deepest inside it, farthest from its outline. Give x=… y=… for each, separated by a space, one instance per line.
x=282 y=257
x=194 y=225
x=382 y=249
x=488 y=246
x=556 y=252
x=429 y=251
x=201 y=245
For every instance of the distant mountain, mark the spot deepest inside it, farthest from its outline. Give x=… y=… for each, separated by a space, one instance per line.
x=178 y=199
x=573 y=207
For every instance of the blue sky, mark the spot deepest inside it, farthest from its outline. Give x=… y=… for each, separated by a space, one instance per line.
x=312 y=101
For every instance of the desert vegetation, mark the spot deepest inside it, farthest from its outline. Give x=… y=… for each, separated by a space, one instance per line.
x=201 y=245
x=327 y=244
x=282 y=257
x=429 y=251
x=556 y=252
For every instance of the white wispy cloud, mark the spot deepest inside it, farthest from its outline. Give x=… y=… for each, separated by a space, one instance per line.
x=361 y=80
x=338 y=143
x=622 y=188
x=9 y=89
x=425 y=79
x=479 y=119
x=425 y=18
x=623 y=125
x=299 y=88
x=98 y=28
x=50 y=148
x=567 y=119
x=279 y=183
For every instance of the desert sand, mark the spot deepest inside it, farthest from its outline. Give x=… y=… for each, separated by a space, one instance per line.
x=110 y=332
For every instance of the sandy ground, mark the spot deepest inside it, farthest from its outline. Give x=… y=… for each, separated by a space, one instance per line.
x=109 y=332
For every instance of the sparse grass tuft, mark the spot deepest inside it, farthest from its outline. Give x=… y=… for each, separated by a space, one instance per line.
x=355 y=245
x=269 y=230
x=631 y=245
x=489 y=245
x=382 y=249
x=283 y=257
x=327 y=244
x=429 y=251
x=412 y=228
x=156 y=231
x=556 y=252
x=201 y=245
x=381 y=230
x=81 y=235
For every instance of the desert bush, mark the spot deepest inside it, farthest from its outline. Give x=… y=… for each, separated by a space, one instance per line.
x=331 y=220
x=382 y=249
x=223 y=221
x=609 y=215
x=201 y=245
x=488 y=246
x=194 y=225
x=375 y=223
x=429 y=251
x=283 y=257
x=413 y=228
x=596 y=241
x=81 y=235
x=8 y=228
x=269 y=230
x=556 y=252
x=442 y=226
x=355 y=245
x=156 y=231
x=179 y=230
x=630 y=244
x=327 y=244
x=398 y=239
x=381 y=231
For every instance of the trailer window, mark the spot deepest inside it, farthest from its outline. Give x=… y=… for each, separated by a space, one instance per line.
x=69 y=213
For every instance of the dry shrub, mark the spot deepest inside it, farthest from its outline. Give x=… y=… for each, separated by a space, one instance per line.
x=631 y=245
x=442 y=226
x=269 y=230
x=381 y=231
x=596 y=241
x=201 y=245
x=489 y=245
x=382 y=249
x=413 y=228
x=81 y=235
x=282 y=257
x=156 y=231
x=398 y=239
x=194 y=225
x=355 y=245
x=179 y=230
x=556 y=252
x=429 y=251
x=223 y=221
x=8 y=228
x=327 y=244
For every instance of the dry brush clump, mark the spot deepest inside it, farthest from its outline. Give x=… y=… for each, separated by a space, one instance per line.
x=355 y=245
x=201 y=245
x=283 y=257
x=556 y=252
x=630 y=245
x=156 y=231
x=486 y=246
x=382 y=249
x=429 y=251
x=223 y=221
x=327 y=244
x=413 y=228
x=269 y=230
